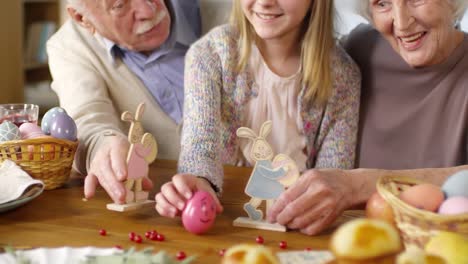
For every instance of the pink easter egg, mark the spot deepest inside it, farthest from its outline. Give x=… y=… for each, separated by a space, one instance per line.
x=30 y=130
x=199 y=213
x=454 y=205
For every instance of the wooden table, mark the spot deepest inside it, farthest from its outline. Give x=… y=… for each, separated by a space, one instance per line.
x=61 y=218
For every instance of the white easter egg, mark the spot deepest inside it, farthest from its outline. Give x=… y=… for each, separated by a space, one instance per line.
x=9 y=131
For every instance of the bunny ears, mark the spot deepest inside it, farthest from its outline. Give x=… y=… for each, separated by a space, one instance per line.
x=128 y=117
x=246 y=132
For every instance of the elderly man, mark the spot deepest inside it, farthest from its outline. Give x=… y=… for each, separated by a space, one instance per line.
x=112 y=55
x=414 y=109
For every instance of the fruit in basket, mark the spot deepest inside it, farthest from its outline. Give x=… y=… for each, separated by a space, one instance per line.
x=456 y=185
x=450 y=246
x=9 y=131
x=49 y=117
x=63 y=127
x=378 y=208
x=365 y=241
x=249 y=254
x=424 y=196
x=454 y=205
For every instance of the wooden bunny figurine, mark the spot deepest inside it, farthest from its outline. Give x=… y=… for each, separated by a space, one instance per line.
x=143 y=151
x=265 y=180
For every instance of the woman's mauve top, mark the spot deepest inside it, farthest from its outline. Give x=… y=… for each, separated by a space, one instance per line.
x=410 y=117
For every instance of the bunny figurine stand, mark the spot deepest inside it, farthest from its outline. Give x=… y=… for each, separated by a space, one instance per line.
x=269 y=178
x=143 y=151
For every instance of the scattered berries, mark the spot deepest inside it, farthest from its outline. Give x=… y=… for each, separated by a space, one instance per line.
x=259 y=240
x=131 y=236
x=181 y=255
x=102 y=232
x=283 y=245
x=160 y=237
x=138 y=239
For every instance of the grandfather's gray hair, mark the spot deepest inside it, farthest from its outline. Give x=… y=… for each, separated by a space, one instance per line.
x=460 y=7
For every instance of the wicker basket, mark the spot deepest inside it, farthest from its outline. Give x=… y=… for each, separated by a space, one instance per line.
x=417 y=226
x=48 y=159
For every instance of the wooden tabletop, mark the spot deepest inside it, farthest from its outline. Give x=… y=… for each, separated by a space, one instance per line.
x=61 y=218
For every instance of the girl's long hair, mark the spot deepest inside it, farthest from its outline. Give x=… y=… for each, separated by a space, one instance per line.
x=317 y=47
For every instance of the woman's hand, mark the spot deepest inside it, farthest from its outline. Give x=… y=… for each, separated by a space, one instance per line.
x=171 y=200
x=109 y=169
x=313 y=202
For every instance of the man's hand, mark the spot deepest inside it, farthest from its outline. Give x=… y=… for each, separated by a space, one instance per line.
x=109 y=169
x=313 y=202
x=171 y=200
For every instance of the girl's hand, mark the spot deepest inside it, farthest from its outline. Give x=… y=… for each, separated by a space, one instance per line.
x=313 y=203
x=171 y=200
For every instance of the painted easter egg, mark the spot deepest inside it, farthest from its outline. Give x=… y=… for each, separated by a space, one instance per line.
x=199 y=213
x=456 y=185
x=9 y=131
x=454 y=205
x=63 y=127
x=49 y=117
x=30 y=130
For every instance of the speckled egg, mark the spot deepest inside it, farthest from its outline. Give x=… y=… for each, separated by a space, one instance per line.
x=30 y=130
x=456 y=185
x=49 y=117
x=9 y=131
x=63 y=127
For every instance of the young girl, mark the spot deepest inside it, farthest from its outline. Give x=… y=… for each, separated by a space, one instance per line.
x=277 y=60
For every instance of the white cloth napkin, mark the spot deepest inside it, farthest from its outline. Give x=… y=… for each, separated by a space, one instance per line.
x=63 y=255
x=14 y=181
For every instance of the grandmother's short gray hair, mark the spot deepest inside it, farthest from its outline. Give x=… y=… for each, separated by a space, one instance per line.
x=460 y=7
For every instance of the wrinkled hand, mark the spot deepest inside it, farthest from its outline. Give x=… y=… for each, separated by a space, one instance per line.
x=313 y=203
x=171 y=200
x=109 y=169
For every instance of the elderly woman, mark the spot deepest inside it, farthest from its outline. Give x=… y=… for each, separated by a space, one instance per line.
x=414 y=114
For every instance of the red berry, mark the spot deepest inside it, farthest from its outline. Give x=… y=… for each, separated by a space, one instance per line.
x=154 y=231
x=222 y=252
x=181 y=255
x=283 y=245
x=153 y=236
x=102 y=232
x=131 y=236
x=118 y=246
x=148 y=234
x=259 y=240
x=160 y=237
x=308 y=249
x=138 y=239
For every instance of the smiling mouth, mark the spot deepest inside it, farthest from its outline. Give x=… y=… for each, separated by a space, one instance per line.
x=205 y=221
x=412 y=38
x=266 y=16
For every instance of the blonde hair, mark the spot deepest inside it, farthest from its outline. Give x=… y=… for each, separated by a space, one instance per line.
x=459 y=8
x=316 y=47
